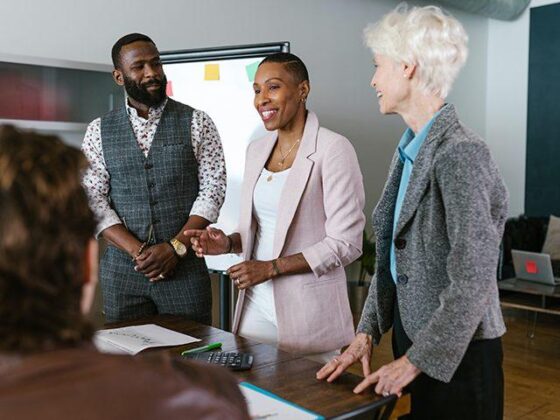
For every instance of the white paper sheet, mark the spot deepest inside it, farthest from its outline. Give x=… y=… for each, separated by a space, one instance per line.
x=264 y=405
x=132 y=340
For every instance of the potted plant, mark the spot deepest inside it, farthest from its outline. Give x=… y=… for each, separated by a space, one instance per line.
x=367 y=260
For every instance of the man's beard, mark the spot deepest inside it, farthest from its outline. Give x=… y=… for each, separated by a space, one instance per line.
x=140 y=93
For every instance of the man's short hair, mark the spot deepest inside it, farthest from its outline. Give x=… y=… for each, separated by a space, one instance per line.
x=125 y=40
x=291 y=62
x=45 y=227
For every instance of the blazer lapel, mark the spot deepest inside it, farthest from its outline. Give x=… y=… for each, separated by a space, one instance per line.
x=296 y=182
x=382 y=217
x=420 y=176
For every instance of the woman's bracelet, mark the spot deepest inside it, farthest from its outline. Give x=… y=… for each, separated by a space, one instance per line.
x=275 y=268
x=230 y=245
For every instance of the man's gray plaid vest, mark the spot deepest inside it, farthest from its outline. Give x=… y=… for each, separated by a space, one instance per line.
x=153 y=197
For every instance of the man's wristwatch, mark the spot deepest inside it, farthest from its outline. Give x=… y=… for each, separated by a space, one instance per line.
x=179 y=247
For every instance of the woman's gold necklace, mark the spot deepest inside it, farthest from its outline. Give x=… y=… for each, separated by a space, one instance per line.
x=284 y=157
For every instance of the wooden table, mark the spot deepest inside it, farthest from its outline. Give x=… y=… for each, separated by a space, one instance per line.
x=286 y=375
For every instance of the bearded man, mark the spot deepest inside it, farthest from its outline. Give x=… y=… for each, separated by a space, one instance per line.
x=156 y=169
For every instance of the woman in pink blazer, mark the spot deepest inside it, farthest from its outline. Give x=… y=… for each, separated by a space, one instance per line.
x=301 y=222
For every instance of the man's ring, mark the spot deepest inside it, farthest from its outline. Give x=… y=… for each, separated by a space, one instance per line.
x=385 y=393
x=161 y=277
x=336 y=360
x=236 y=281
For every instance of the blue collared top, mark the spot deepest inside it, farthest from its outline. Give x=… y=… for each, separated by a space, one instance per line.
x=408 y=148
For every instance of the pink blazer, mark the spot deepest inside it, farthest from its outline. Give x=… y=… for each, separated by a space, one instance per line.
x=320 y=215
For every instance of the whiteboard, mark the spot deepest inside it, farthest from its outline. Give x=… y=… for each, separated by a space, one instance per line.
x=223 y=88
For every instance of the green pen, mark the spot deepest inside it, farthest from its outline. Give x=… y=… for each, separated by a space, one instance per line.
x=211 y=346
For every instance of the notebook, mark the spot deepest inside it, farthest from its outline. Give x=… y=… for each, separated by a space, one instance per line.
x=134 y=339
x=263 y=404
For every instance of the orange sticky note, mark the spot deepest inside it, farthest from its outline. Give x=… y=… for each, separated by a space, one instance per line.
x=212 y=72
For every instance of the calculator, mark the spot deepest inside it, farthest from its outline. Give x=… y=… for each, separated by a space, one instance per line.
x=230 y=359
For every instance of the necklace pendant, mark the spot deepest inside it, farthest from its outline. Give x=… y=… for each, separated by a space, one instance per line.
x=269 y=178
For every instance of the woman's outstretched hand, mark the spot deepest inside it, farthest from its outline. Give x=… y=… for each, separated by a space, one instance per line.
x=209 y=241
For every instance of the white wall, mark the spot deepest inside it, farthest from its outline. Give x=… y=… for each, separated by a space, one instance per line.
x=325 y=33
x=507 y=88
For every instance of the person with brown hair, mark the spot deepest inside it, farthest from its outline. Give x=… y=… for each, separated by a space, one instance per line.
x=48 y=365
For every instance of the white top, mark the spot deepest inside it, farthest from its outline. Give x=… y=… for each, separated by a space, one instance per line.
x=266 y=199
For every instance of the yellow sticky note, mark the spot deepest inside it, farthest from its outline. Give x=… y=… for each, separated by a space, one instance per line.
x=212 y=72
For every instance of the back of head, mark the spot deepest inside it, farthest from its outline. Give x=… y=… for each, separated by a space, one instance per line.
x=45 y=226
x=291 y=62
x=427 y=37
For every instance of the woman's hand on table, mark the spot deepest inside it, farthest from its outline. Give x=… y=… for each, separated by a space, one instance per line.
x=391 y=378
x=358 y=351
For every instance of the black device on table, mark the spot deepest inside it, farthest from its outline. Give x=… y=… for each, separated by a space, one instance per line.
x=231 y=359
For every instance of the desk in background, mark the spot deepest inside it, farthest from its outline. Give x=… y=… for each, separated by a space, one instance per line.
x=289 y=376
x=530 y=296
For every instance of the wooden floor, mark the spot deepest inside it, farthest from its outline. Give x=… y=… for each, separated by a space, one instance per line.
x=531 y=367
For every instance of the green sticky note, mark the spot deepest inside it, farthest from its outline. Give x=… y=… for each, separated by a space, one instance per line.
x=251 y=69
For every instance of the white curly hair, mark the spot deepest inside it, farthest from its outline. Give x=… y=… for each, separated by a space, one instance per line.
x=427 y=37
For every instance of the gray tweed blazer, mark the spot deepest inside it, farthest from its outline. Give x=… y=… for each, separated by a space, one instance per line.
x=447 y=246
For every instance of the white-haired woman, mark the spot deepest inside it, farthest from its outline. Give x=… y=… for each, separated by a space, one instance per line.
x=438 y=227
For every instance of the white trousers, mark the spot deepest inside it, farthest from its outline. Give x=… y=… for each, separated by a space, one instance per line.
x=257 y=325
